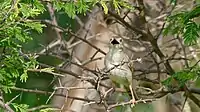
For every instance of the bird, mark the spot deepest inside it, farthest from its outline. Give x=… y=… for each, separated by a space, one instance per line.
x=117 y=63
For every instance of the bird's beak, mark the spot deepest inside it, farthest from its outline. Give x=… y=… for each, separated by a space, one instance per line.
x=114 y=41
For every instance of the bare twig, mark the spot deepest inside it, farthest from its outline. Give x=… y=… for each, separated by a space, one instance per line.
x=48 y=93
x=8 y=103
x=130 y=102
x=42 y=107
x=71 y=33
x=53 y=19
x=6 y=107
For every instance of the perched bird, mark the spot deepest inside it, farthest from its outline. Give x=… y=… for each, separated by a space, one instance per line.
x=117 y=63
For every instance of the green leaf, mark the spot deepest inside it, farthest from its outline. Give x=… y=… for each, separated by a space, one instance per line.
x=20 y=107
x=192 y=14
x=24 y=9
x=13 y=33
x=24 y=77
x=190 y=34
x=38 y=5
x=35 y=26
x=183 y=76
x=6 y=86
x=58 y=5
x=167 y=82
x=127 y=5
x=14 y=72
x=28 y=10
x=173 y=2
x=117 y=6
x=105 y=8
x=70 y=9
x=175 y=24
x=182 y=24
x=82 y=7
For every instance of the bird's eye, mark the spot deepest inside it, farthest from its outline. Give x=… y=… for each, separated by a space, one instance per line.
x=111 y=39
x=120 y=40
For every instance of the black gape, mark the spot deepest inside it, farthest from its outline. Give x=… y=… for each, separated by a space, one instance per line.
x=114 y=41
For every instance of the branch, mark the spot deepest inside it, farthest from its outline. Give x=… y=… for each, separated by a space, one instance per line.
x=6 y=107
x=42 y=107
x=92 y=81
x=48 y=93
x=129 y=103
x=71 y=33
x=53 y=18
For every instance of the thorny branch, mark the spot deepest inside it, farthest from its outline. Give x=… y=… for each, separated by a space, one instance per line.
x=147 y=34
x=6 y=106
x=151 y=95
x=157 y=94
x=72 y=34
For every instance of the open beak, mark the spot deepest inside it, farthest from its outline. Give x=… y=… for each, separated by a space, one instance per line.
x=114 y=41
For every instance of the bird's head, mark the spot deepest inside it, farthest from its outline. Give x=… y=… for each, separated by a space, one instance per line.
x=116 y=43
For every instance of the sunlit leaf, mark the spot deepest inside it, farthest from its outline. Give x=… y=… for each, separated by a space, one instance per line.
x=105 y=8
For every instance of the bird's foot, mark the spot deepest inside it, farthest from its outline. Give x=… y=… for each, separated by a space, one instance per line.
x=133 y=102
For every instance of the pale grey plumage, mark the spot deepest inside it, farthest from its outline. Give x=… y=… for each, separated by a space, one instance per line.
x=116 y=60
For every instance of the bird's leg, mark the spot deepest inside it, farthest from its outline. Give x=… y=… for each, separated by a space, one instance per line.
x=111 y=90
x=132 y=94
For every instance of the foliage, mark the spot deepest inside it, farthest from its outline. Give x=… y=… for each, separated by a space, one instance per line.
x=17 y=23
x=16 y=27
x=73 y=8
x=173 y=2
x=117 y=4
x=183 y=76
x=14 y=31
x=184 y=24
x=20 y=107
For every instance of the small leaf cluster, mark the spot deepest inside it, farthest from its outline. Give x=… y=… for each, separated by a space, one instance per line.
x=20 y=107
x=15 y=30
x=183 y=76
x=183 y=24
x=74 y=7
x=117 y=4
